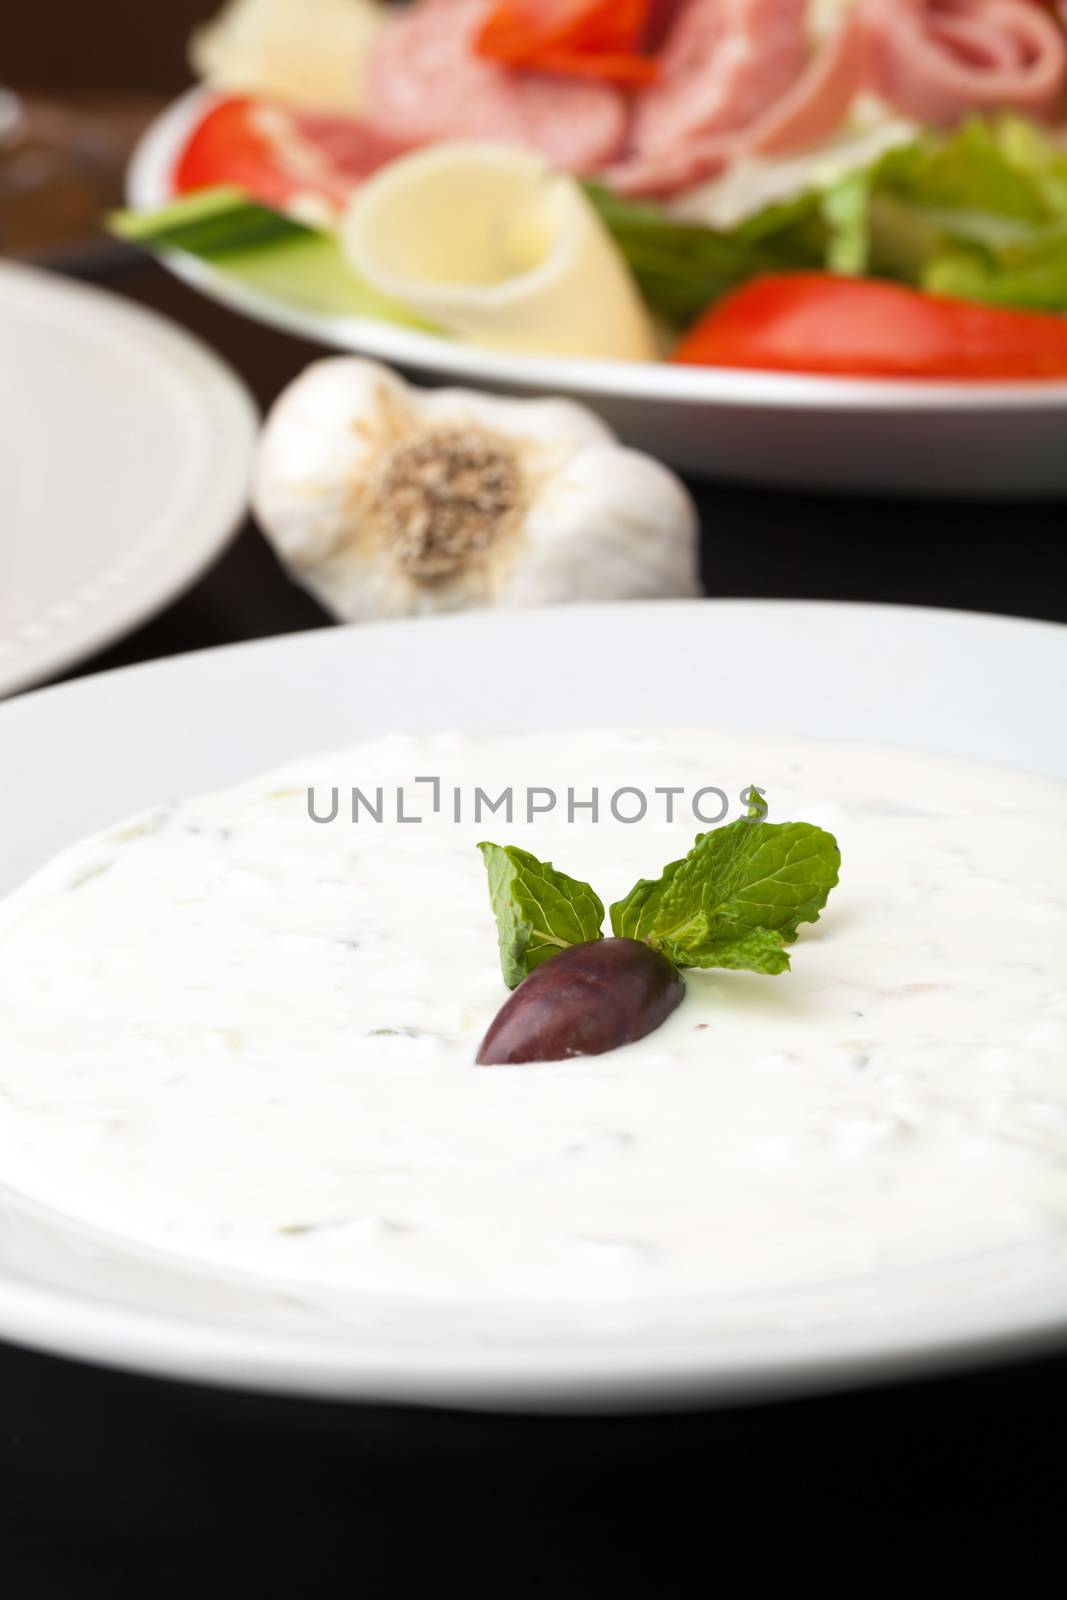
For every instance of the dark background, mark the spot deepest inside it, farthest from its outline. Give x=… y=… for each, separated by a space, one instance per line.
x=90 y=46
x=125 y=1486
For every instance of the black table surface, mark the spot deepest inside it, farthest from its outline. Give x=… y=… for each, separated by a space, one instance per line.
x=124 y=1485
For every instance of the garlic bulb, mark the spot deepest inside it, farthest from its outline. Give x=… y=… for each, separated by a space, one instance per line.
x=388 y=501
x=490 y=243
x=308 y=53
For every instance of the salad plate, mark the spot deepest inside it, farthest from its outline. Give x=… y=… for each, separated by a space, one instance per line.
x=125 y=448
x=788 y=429
x=856 y=675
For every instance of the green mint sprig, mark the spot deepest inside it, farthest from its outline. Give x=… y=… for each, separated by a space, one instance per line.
x=735 y=901
x=538 y=910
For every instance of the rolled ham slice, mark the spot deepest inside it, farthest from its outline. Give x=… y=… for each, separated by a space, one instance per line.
x=724 y=63
x=938 y=60
x=739 y=78
x=821 y=98
x=426 y=83
x=344 y=150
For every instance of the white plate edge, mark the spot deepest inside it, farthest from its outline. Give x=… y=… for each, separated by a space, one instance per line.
x=188 y=561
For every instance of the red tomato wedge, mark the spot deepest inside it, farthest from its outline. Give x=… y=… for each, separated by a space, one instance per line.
x=274 y=153
x=229 y=147
x=580 y=38
x=863 y=328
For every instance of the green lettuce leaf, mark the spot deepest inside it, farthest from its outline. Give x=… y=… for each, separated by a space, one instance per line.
x=983 y=167
x=538 y=910
x=737 y=899
x=1028 y=276
x=979 y=213
x=845 y=211
x=681 y=268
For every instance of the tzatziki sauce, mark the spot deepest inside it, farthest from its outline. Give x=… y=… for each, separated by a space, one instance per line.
x=240 y=1035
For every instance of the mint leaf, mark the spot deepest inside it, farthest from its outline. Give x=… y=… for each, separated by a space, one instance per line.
x=538 y=910
x=755 y=950
x=755 y=799
x=737 y=899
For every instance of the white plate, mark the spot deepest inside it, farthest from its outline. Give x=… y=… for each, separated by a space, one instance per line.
x=124 y=458
x=767 y=428
x=940 y=681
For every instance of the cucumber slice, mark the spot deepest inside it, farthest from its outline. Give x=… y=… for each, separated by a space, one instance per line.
x=279 y=257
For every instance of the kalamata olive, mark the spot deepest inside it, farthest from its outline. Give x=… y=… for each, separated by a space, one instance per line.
x=587 y=999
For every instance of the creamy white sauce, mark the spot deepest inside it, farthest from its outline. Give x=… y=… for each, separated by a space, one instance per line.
x=232 y=1033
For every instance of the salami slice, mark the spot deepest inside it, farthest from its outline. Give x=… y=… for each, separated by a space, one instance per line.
x=425 y=82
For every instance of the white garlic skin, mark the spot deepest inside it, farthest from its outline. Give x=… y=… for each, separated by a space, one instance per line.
x=594 y=521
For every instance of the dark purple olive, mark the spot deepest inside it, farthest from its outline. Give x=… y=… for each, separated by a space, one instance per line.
x=587 y=999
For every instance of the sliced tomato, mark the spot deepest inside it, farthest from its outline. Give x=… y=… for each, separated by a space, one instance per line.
x=275 y=154
x=861 y=327
x=229 y=147
x=581 y=38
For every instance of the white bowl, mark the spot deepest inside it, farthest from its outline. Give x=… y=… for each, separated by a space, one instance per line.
x=88 y=753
